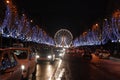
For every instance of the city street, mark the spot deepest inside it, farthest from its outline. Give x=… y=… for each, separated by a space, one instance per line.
x=47 y=71
x=96 y=69
x=78 y=69
x=84 y=36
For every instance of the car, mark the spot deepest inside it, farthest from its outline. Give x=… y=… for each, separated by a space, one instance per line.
x=104 y=54
x=9 y=66
x=25 y=58
x=45 y=54
x=59 y=52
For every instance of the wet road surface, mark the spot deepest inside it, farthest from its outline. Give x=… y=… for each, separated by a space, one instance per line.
x=72 y=68
x=95 y=69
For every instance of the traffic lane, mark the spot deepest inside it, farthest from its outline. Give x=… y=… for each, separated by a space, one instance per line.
x=45 y=70
x=84 y=70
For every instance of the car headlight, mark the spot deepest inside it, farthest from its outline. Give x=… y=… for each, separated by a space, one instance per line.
x=23 y=67
x=60 y=54
x=49 y=56
x=37 y=56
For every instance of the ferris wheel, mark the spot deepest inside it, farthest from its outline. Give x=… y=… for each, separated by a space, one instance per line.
x=63 y=38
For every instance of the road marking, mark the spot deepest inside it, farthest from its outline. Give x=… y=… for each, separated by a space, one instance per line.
x=54 y=75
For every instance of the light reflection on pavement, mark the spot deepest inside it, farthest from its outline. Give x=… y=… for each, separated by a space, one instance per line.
x=44 y=71
x=96 y=69
x=59 y=71
x=47 y=71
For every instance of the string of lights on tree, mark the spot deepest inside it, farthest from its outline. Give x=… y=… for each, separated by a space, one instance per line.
x=22 y=28
x=109 y=31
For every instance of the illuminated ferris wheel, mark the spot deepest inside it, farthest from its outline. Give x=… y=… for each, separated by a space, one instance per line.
x=63 y=38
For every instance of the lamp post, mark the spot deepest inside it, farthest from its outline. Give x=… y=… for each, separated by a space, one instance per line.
x=7 y=1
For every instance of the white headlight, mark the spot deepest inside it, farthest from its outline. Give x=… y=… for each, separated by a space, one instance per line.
x=37 y=56
x=22 y=67
x=60 y=54
x=49 y=56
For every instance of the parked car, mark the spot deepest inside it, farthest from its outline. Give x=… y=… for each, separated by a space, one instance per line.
x=104 y=54
x=9 y=66
x=46 y=54
x=26 y=59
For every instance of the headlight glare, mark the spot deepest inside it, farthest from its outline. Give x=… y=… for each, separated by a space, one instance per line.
x=60 y=54
x=37 y=56
x=49 y=56
x=22 y=67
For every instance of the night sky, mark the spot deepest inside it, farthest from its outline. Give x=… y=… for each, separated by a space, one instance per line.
x=74 y=15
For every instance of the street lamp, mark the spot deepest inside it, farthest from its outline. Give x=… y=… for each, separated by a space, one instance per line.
x=96 y=24
x=31 y=21
x=7 y=1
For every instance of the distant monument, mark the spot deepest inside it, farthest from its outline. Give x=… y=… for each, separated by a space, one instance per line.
x=63 y=38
